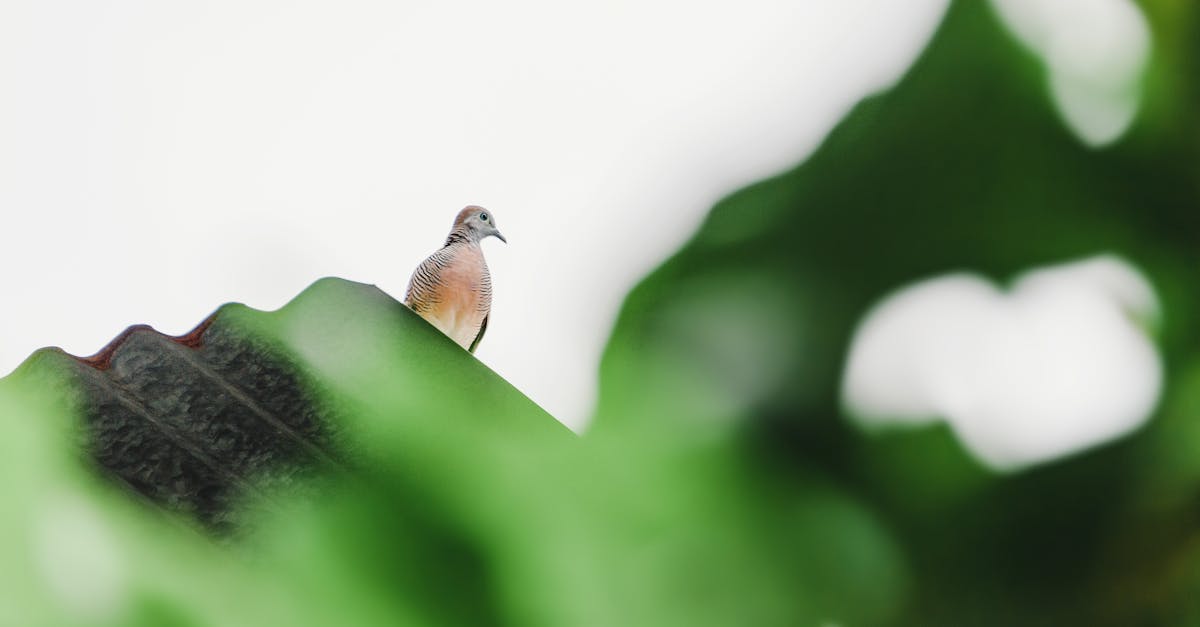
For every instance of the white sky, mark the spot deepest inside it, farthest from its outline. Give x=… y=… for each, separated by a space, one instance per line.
x=159 y=158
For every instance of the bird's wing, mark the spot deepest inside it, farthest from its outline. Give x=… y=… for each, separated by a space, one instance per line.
x=422 y=293
x=482 y=328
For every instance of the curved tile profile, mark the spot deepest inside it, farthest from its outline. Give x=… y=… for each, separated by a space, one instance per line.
x=244 y=404
x=195 y=422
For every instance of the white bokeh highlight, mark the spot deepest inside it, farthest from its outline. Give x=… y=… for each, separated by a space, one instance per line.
x=161 y=157
x=1095 y=52
x=1059 y=363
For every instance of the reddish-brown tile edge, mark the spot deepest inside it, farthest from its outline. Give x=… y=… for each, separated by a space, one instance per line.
x=103 y=359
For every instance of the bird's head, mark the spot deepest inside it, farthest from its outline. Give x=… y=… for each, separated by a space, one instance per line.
x=478 y=223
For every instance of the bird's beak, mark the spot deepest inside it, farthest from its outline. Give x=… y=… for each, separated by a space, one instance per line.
x=500 y=237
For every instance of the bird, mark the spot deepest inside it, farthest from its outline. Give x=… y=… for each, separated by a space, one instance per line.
x=452 y=288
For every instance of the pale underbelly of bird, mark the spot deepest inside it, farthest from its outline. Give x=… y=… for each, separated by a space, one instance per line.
x=459 y=314
x=455 y=298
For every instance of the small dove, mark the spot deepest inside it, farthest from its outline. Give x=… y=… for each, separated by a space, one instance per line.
x=452 y=288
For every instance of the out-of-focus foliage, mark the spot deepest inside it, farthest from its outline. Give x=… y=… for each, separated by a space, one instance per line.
x=964 y=165
x=720 y=483
x=465 y=504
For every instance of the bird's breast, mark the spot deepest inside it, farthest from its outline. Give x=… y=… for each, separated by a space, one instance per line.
x=460 y=296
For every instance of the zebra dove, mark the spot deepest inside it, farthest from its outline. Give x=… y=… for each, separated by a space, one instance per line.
x=452 y=288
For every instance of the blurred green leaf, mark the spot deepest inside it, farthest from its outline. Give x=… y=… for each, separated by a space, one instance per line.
x=719 y=484
x=965 y=164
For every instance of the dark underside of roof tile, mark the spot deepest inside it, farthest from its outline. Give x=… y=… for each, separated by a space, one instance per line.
x=197 y=423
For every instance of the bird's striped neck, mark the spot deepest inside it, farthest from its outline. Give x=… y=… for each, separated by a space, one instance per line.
x=459 y=236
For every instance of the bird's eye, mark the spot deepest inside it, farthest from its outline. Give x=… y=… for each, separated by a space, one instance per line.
x=483 y=216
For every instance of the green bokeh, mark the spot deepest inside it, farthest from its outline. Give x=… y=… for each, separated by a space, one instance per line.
x=964 y=165
x=720 y=483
